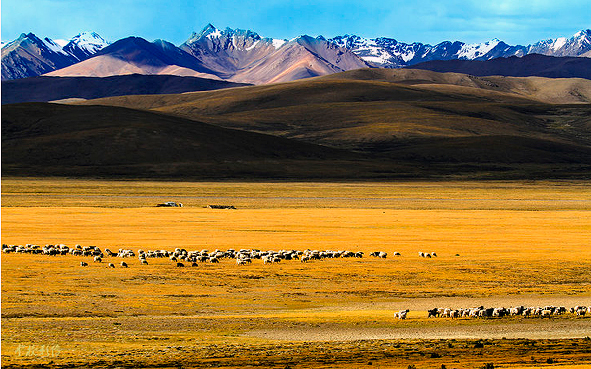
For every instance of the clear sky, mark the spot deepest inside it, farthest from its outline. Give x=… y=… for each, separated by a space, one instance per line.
x=428 y=21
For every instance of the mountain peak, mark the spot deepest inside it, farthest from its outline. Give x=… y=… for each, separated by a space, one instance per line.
x=208 y=31
x=89 y=38
x=85 y=44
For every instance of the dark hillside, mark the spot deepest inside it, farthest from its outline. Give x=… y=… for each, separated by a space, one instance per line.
x=43 y=89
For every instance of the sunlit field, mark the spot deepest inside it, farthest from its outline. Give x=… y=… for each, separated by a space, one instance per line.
x=497 y=244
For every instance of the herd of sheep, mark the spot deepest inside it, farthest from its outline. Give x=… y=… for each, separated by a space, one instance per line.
x=500 y=312
x=182 y=256
x=242 y=257
x=246 y=256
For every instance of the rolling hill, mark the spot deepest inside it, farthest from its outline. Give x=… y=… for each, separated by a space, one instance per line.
x=359 y=110
x=365 y=124
x=528 y=65
x=62 y=140
x=43 y=89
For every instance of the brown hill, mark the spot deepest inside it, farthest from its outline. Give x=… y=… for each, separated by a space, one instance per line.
x=42 y=88
x=360 y=113
x=548 y=90
x=40 y=139
x=377 y=129
x=61 y=140
x=528 y=65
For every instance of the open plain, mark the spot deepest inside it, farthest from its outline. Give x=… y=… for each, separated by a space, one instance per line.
x=498 y=244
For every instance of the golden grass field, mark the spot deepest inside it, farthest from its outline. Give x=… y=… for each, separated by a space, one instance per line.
x=498 y=244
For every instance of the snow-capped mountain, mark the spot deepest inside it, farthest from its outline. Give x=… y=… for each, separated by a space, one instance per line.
x=578 y=45
x=390 y=53
x=134 y=55
x=29 y=55
x=85 y=44
x=230 y=50
x=244 y=56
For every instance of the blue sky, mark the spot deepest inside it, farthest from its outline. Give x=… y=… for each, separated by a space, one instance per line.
x=428 y=21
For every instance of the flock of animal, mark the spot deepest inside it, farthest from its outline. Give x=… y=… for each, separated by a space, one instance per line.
x=246 y=256
x=182 y=256
x=500 y=312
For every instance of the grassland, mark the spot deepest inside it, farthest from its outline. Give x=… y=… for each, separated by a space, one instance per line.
x=499 y=244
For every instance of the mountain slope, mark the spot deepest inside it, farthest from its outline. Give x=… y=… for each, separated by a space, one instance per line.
x=577 y=45
x=31 y=56
x=244 y=56
x=50 y=139
x=529 y=65
x=387 y=52
x=352 y=125
x=43 y=88
x=551 y=91
x=228 y=51
x=85 y=44
x=368 y=113
x=135 y=55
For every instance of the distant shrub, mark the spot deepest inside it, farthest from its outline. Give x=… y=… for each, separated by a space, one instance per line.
x=488 y=366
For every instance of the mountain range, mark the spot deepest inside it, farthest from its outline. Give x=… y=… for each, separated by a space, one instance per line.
x=244 y=56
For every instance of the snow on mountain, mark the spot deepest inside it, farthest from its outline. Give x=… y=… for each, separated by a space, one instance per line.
x=278 y=43
x=558 y=43
x=29 y=56
x=234 y=53
x=85 y=44
x=244 y=56
x=389 y=53
x=51 y=45
x=577 y=45
x=474 y=51
x=61 y=42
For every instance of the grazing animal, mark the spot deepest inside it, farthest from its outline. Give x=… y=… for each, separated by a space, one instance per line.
x=433 y=312
x=401 y=314
x=180 y=265
x=194 y=264
x=97 y=259
x=111 y=265
x=83 y=264
x=124 y=264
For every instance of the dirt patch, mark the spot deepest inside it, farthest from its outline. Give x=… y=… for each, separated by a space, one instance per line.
x=541 y=329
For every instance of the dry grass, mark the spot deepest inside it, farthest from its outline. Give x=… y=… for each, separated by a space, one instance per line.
x=519 y=243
